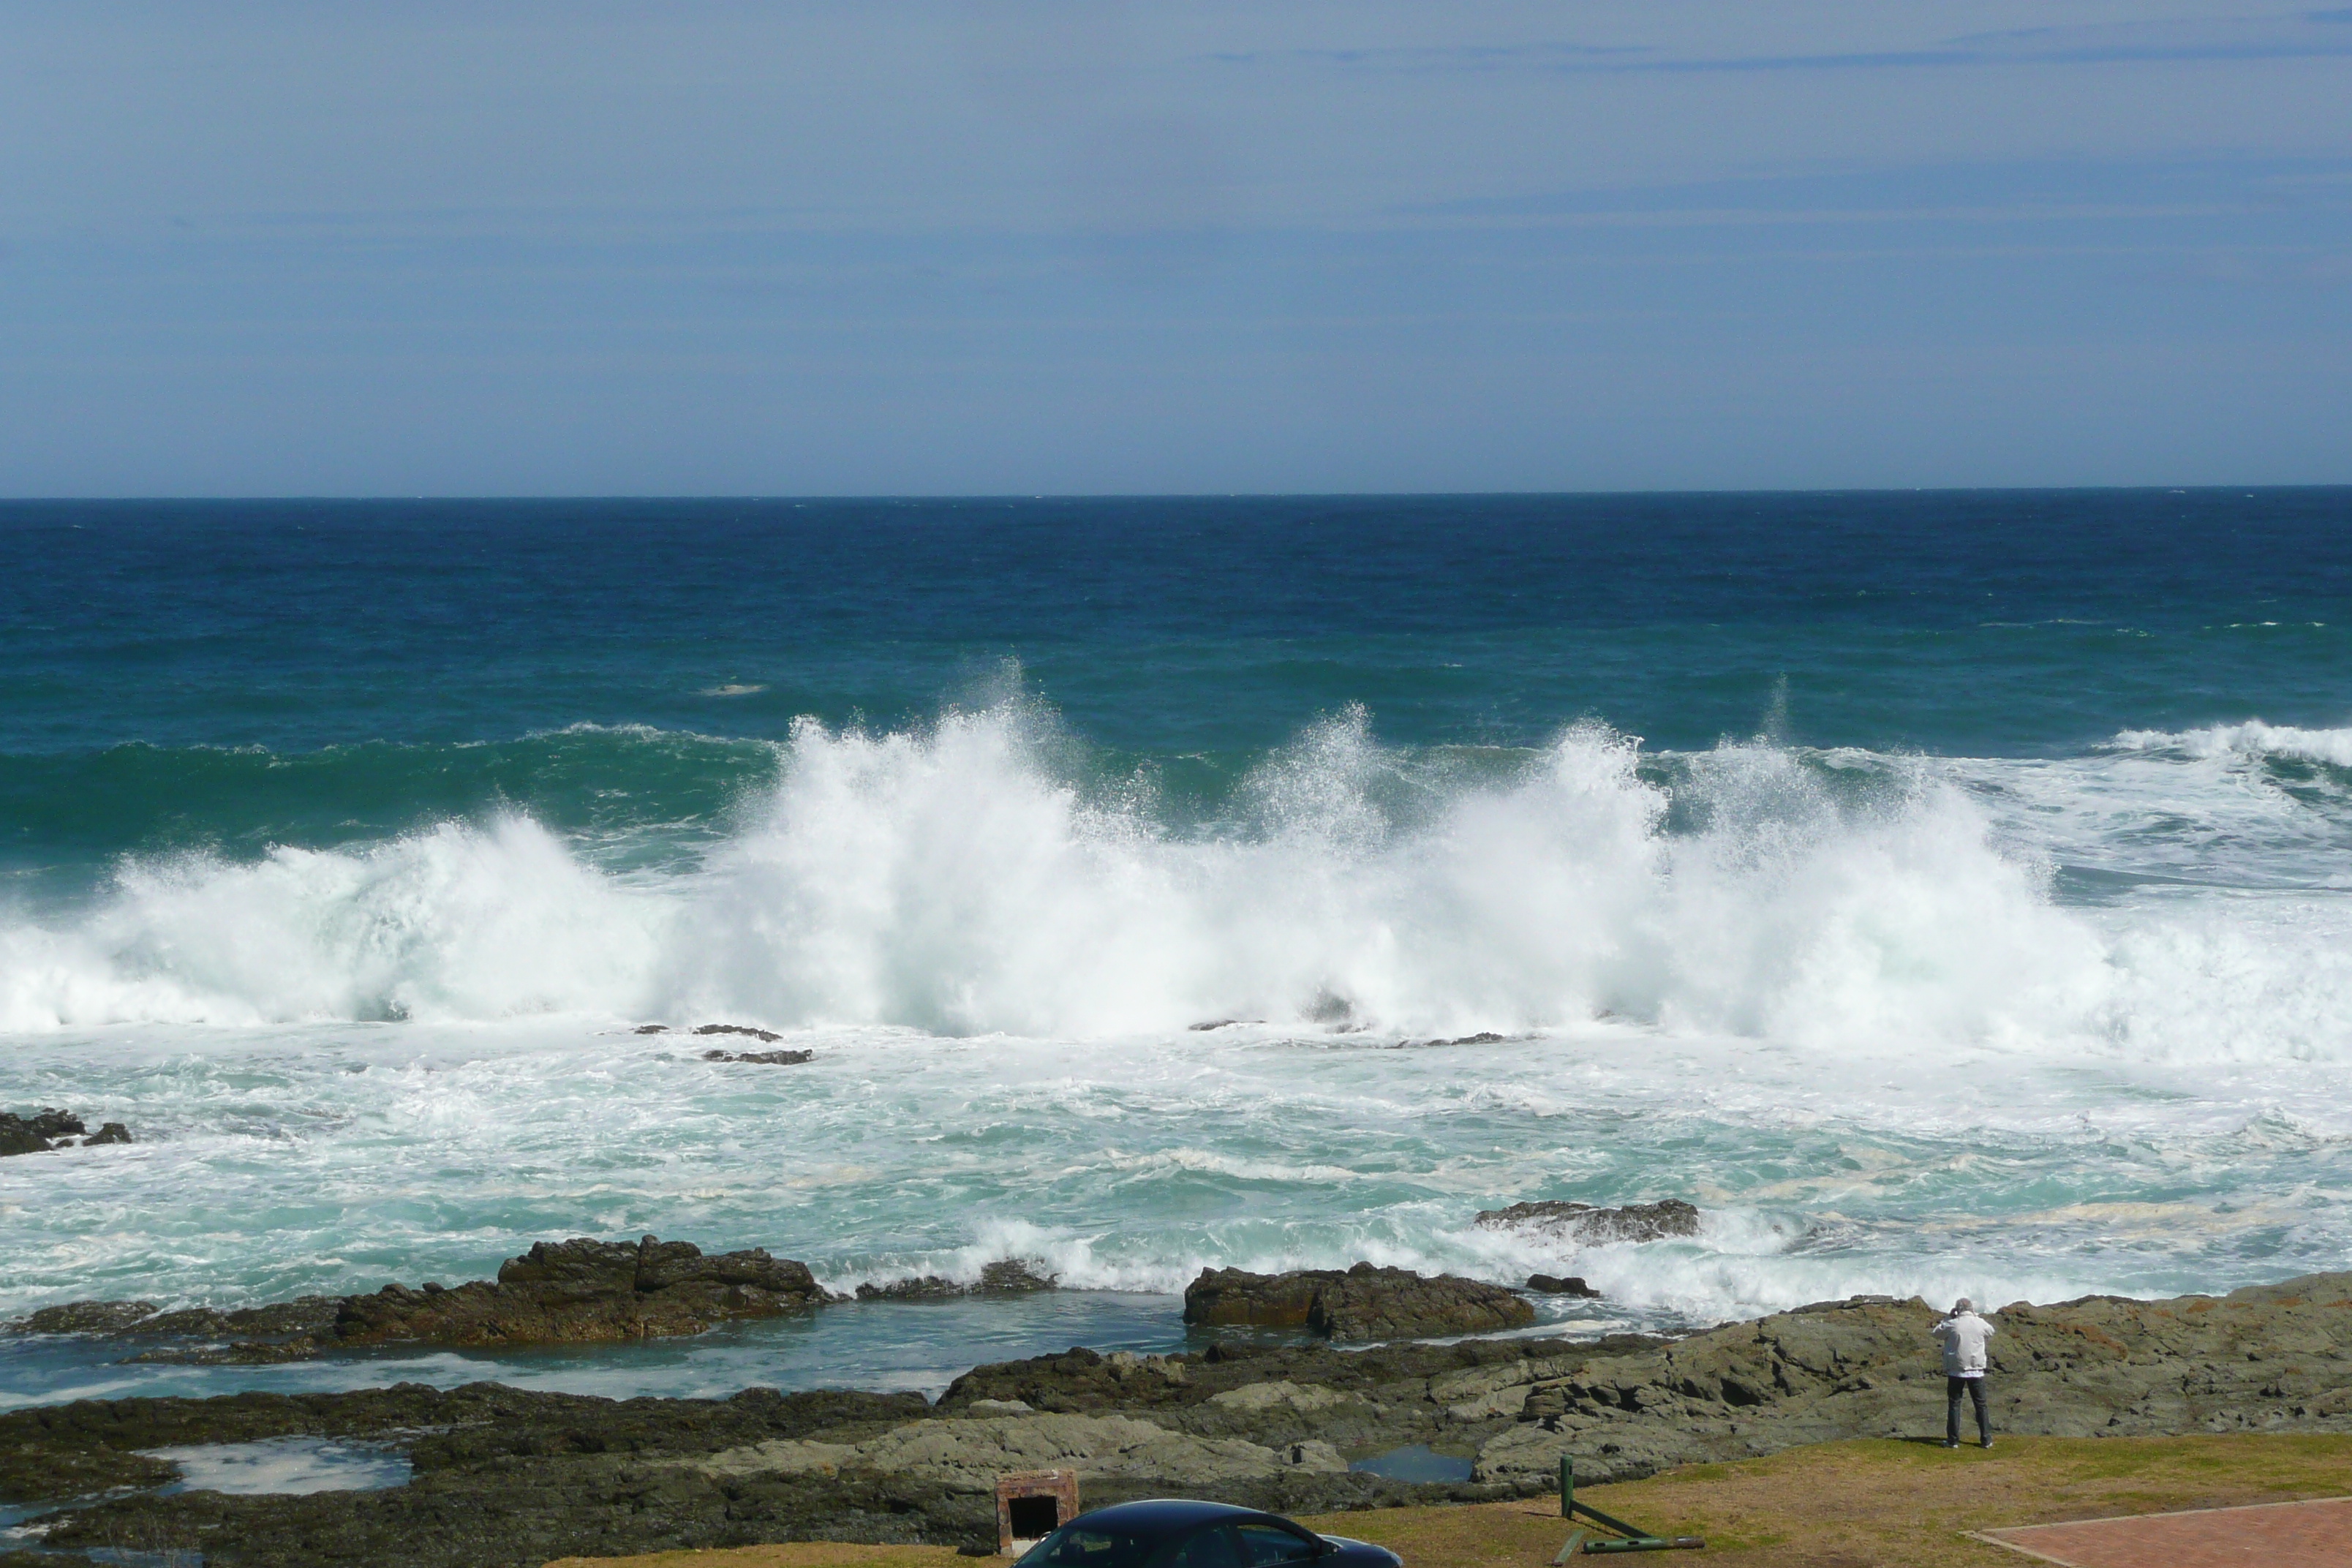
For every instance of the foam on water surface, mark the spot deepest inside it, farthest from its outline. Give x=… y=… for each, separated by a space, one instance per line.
x=1898 y=1023
x=285 y=1467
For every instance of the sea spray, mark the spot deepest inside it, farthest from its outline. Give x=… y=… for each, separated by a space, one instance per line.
x=968 y=878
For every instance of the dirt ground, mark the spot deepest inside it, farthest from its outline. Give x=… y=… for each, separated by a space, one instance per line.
x=1839 y=1505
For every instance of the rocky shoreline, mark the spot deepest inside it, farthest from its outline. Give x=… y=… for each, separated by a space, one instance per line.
x=505 y=1477
x=586 y=1292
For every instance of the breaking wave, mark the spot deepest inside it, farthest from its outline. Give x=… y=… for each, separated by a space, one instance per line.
x=969 y=878
x=2253 y=739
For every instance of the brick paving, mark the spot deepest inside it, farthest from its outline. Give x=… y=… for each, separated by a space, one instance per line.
x=2271 y=1535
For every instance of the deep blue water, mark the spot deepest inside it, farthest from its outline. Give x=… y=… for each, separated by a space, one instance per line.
x=1194 y=633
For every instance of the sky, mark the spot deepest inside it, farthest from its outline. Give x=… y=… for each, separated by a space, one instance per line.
x=1052 y=246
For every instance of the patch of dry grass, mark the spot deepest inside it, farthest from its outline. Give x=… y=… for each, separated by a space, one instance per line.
x=1838 y=1505
x=1866 y=1503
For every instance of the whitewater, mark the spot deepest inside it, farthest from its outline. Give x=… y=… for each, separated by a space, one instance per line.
x=1948 y=892
x=2023 y=1028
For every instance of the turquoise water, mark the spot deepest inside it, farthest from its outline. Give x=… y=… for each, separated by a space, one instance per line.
x=1945 y=892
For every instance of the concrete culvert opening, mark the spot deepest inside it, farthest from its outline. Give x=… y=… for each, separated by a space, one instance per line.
x=1032 y=1504
x=1034 y=1518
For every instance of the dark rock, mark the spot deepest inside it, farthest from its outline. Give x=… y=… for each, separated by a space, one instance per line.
x=36 y=1133
x=1361 y=1303
x=766 y=1036
x=112 y=1132
x=84 y=1318
x=651 y=1029
x=1006 y=1277
x=303 y=1315
x=1483 y=1037
x=241 y=1353
x=1584 y=1225
x=766 y=1058
x=1553 y=1285
x=922 y=1288
x=1011 y=1277
x=586 y=1291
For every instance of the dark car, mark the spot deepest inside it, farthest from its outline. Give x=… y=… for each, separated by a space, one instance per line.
x=1169 y=1533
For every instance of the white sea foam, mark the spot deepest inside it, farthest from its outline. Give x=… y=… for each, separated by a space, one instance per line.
x=2251 y=739
x=958 y=880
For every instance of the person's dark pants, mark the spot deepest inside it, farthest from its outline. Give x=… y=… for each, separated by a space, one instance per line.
x=1975 y=1387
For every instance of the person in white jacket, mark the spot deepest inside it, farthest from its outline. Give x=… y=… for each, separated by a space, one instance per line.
x=1963 y=1336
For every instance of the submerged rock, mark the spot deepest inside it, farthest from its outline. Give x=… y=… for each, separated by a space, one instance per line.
x=1553 y=1285
x=112 y=1132
x=919 y=1288
x=1584 y=1225
x=765 y=1058
x=1006 y=1277
x=1360 y=1303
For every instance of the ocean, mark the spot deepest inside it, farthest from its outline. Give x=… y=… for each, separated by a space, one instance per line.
x=1946 y=892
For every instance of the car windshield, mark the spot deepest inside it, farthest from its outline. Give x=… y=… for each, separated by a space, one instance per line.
x=1085 y=1546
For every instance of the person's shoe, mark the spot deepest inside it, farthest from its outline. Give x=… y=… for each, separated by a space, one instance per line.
x=1986 y=1444
x=1951 y=1442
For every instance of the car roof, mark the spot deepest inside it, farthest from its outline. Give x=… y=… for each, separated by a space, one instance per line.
x=1154 y=1515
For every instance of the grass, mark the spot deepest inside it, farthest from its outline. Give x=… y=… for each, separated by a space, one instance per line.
x=1837 y=1505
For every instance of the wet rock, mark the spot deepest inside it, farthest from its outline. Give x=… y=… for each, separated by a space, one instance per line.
x=1554 y=1285
x=1011 y=1277
x=1006 y=1276
x=764 y=1059
x=922 y=1288
x=112 y=1132
x=84 y=1318
x=577 y=1291
x=305 y=1315
x=651 y=1029
x=1583 y=1224
x=240 y=1352
x=36 y=1133
x=284 y=1330
x=765 y=1037
x=1360 y=1303
x=586 y=1291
